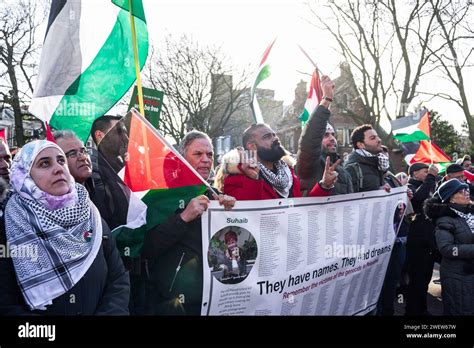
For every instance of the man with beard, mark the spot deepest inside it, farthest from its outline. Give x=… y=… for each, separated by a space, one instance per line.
x=367 y=164
x=316 y=143
x=276 y=179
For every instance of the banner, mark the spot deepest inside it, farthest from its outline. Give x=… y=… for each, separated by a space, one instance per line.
x=304 y=256
x=152 y=103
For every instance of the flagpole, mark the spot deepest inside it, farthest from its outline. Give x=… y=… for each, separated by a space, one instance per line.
x=309 y=58
x=172 y=149
x=137 y=60
x=429 y=129
x=139 y=82
x=431 y=152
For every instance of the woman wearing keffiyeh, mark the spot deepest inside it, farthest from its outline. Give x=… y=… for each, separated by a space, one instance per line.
x=453 y=213
x=73 y=266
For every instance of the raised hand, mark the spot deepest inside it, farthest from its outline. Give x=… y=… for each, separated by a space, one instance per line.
x=248 y=165
x=433 y=170
x=330 y=174
x=327 y=85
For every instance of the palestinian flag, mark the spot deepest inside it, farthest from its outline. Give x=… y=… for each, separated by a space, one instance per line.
x=263 y=72
x=423 y=151
x=87 y=61
x=412 y=128
x=414 y=134
x=158 y=179
x=314 y=98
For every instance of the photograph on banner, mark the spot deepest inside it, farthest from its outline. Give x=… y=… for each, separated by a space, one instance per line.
x=232 y=254
x=400 y=214
x=314 y=256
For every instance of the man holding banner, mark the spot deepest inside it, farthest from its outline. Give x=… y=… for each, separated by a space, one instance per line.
x=175 y=246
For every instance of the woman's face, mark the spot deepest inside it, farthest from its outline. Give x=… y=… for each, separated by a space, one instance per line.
x=50 y=172
x=461 y=197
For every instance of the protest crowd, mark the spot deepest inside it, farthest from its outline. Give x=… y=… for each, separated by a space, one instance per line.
x=100 y=215
x=64 y=199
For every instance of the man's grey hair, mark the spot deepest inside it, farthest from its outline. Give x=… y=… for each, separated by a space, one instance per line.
x=64 y=134
x=189 y=138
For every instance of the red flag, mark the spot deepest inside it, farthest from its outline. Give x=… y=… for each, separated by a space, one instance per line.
x=429 y=154
x=152 y=163
x=49 y=134
x=3 y=134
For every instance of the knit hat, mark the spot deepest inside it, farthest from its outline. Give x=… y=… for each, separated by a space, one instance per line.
x=329 y=128
x=449 y=188
x=454 y=168
x=416 y=166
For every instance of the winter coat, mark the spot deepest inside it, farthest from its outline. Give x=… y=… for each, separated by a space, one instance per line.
x=455 y=241
x=103 y=290
x=421 y=231
x=174 y=254
x=311 y=158
x=364 y=172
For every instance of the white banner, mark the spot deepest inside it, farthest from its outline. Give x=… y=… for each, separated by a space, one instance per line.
x=303 y=256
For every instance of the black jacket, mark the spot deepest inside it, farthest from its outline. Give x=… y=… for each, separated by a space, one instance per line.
x=311 y=159
x=364 y=172
x=103 y=290
x=174 y=253
x=455 y=242
x=421 y=232
x=422 y=190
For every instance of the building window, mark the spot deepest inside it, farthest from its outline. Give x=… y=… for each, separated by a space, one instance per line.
x=340 y=136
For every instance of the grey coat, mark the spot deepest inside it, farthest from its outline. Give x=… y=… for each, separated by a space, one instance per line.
x=311 y=158
x=455 y=241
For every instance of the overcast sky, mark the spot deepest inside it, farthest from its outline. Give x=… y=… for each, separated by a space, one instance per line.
x=244 y=28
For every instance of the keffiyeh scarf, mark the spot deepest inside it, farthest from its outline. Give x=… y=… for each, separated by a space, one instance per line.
x=59 y=246
x=282 y=181
x=384 y=161
x=468 y=217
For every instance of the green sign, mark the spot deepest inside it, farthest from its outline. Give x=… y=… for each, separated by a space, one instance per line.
x=152 y=102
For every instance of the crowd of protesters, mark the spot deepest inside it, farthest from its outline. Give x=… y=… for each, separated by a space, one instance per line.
x=61 y=198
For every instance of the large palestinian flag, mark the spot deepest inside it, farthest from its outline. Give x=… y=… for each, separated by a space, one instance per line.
x=87 y=61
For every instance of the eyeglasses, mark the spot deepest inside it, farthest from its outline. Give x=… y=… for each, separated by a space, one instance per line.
x=75 y=153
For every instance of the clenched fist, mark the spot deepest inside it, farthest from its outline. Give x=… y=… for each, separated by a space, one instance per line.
x=196 y=207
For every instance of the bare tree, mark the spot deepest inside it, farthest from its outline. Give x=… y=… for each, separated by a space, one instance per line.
x=451 y=50
x=201 y=90
x=387 y=60
x=18 y=56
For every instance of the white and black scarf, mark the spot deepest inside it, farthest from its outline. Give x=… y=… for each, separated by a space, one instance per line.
x=468 y=217
x=62 y=245
x=383 y=160
x=282 y=181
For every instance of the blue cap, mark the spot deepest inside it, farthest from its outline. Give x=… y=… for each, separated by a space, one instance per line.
x=449 y=188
